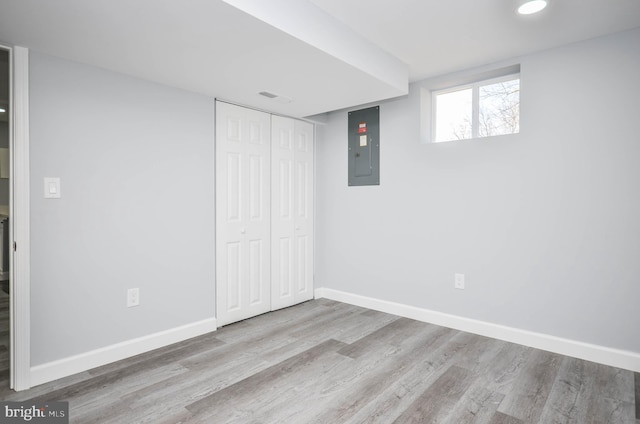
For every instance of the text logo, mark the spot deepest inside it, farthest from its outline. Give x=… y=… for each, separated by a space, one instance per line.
x=34 y=412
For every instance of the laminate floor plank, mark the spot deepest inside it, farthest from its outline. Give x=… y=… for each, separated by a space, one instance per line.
x=4 y=358
x=132 y=375
x=495 y=377
x=399 y=394
x=435 y=403
x=615 y=383
x=500 y=418
x=166 y=392
x=244 y=358
x=574 y=400
x=477 y=405
x=326 y=327
x=266 y=345
x=315 y=381
x=358 y=382
x=614 y=400
x=373 y=320
x=482 y=357
x=164 y=398
x=391 y=334
x=528 y=396
x=326 y=388
x=4 y=337
x=96 y=394
x=569 y=398
x=491 y=362
x=101 y=398
x=325 y=362
x=236 y=402
x=502 y=371
x=479 y=354
x=164 y=355
x=204 y=382
x=278 y=321
x=208 y=375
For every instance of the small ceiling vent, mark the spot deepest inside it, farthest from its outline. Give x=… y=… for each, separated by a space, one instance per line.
x=275 y=97
x=267 y=94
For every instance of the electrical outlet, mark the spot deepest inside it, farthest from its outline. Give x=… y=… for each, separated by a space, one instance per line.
x=133 y=297
x=458 y=281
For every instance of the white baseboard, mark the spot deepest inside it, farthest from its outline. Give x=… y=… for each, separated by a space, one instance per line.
x=590 y=352
x=95 y=358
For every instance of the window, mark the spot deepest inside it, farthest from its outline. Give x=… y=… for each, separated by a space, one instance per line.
x=482 y=109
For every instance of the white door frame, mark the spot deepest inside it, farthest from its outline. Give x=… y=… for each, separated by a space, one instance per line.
x=19 y=252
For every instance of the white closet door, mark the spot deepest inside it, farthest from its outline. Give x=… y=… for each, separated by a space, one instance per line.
x=243 y=211
x=291 y=212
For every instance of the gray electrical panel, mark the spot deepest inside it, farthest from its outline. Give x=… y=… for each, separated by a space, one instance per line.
x=364 y=147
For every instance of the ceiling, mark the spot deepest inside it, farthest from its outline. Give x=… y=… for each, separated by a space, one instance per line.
x=322 y=54
x=435 y=37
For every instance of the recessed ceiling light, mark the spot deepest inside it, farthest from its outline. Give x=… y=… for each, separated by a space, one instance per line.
x=528 y=7
x=2 y=110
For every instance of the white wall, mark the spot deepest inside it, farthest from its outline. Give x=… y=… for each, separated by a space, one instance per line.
x=544 y=224
x=136 y=163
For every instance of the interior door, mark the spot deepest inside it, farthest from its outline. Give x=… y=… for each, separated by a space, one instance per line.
x=291 y=212
x=242 y=213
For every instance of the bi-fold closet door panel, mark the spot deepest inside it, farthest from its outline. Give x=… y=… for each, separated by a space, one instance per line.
x=291 y=211
x=264 y=212
x=243 y=213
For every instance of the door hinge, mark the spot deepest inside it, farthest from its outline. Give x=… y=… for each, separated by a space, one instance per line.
x=15 y=246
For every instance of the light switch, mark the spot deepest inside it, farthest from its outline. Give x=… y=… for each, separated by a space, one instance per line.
x=51 y=188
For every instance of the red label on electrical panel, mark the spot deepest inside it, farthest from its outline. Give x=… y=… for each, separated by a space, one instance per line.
x=362 y=128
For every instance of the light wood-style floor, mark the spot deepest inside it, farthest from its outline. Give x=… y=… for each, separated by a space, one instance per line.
x=4 y=340
x=328 y=362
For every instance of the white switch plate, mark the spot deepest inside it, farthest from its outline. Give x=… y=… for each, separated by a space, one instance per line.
x=133 y=297
x=459 y=281
x=52 y=188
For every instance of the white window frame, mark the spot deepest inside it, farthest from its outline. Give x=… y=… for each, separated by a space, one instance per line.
x=475 y=104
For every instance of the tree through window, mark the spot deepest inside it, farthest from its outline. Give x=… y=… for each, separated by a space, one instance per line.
x=483 y=109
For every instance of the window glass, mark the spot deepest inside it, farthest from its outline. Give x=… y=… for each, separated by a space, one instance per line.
x=499 y=108
x=483 y=109
x=453 y=120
